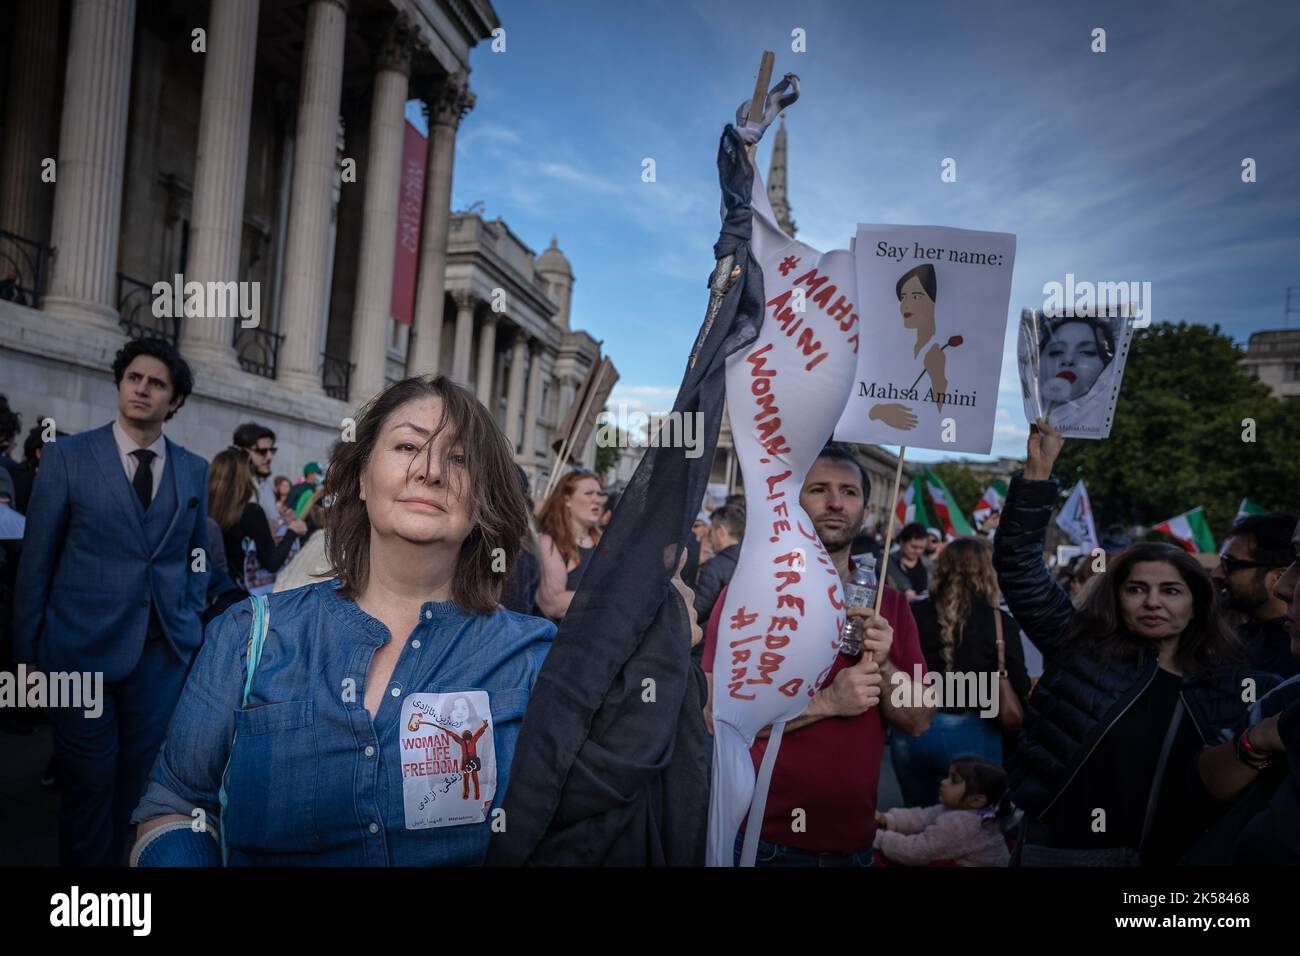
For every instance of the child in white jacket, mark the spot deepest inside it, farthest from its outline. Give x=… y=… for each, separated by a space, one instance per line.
x=962 y=828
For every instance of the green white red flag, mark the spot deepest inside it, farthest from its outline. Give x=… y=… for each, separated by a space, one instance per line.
x=1248 y=507
x=928 y=501
x=1191 y=530
x=991 y=501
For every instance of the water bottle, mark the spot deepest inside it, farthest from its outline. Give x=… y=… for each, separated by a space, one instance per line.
x=859 y=592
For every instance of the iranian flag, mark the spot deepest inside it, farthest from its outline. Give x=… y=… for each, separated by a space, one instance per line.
x=991 y=501
x=1248 y=507
x=910 y=509
x=1191 y=529
x=928 y=501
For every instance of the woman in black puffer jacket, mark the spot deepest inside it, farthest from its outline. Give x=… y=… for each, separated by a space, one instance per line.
x=1145 y=672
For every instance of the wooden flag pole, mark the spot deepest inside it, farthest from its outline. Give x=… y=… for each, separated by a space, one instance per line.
x=760 y=93
x=889 y=530
x=725 y=272
x=566 y=445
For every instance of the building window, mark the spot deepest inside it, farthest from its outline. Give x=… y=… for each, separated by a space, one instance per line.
x=1292 y=373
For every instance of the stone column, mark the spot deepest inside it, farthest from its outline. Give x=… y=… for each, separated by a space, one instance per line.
x=92 y=159
x=217 y=225
x=143 y=229
x=30 y=121
x=533 y=407
x=568 y=393
x=444 y=111
x=383 y=178
x=464 y=336
x=487 y=352
x=515 y=394
x=310 y=202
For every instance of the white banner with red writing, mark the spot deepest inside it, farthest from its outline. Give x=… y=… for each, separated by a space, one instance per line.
x=934 y=306
x=784 y=608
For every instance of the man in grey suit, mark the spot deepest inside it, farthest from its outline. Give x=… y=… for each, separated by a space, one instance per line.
x=113 y=580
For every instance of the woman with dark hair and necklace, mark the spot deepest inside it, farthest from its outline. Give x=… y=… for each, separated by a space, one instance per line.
x=309 y=731
x=1135 y=683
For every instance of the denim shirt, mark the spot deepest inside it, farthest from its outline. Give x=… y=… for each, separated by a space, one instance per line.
x=312 y=779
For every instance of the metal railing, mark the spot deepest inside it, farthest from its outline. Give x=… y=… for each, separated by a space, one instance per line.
x=336 y=376
x=135 y=313
x=258 y=350
x=24 y=268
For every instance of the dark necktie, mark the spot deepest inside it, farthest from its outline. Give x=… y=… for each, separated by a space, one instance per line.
x=143 y=480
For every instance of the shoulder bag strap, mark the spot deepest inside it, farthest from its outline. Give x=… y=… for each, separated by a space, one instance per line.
x=1002 y=644
x=256 y=640
x=1154 y=796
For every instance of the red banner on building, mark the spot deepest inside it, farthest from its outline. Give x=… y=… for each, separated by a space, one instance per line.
x=410 y=204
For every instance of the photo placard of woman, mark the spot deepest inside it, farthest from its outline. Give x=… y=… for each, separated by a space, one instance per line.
x=1071 y=370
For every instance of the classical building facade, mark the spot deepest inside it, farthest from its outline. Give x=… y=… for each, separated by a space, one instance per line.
x=258 y=145
x=1274 y=358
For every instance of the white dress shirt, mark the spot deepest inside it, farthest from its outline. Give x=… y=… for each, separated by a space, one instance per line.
x=126 y=444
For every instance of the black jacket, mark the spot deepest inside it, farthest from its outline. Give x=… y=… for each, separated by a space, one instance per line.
x=1272 y=838
x=715 y=574
x=1081 y=693
x=977 y=650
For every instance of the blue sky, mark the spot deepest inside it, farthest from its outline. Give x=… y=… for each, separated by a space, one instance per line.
x=1123 y=165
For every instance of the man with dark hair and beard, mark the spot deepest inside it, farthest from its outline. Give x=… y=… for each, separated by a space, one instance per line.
x=1253 y=558
x=828 y=766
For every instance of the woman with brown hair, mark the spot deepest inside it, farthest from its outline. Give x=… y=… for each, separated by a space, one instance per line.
x=1135 y=683
x=282 y=485
x=232 y=504
x=294 y=733
x=570 y=530
x=959 y=637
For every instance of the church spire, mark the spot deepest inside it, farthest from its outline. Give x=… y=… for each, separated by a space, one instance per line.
x=776 y=182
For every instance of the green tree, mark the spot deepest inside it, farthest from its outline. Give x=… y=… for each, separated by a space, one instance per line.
x=964 y=484
x=1178 y=436
x=606 y=457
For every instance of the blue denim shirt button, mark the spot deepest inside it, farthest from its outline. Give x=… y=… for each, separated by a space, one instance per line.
x=416 y=643
x=370 y=751
x=428 y=615
x=397 y=692
x=374 y=828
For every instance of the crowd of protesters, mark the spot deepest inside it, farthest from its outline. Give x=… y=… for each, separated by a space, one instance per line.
x=1157 y=733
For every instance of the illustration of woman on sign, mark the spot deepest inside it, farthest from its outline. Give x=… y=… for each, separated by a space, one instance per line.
x=463 y=717
x=917 y=291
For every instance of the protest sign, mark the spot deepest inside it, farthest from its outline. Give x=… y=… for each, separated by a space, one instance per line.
x=784 y=608
x=1071 y=368
x=933 y=302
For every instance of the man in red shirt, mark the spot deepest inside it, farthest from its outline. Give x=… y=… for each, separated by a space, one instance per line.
x=821 y=805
